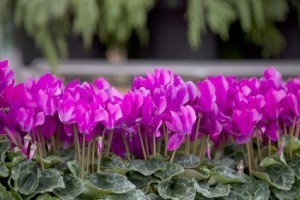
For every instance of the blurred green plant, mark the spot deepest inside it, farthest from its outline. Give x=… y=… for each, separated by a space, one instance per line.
x=49 y=22
x=257 y=19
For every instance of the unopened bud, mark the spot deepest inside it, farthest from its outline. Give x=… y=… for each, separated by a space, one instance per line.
x=281 y=145
x=33 y=149
x=240 y=167
x=208 y=148
x=100 y=144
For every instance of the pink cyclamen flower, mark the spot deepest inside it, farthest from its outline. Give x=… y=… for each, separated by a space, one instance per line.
x=181 y=123
x=28 y=118
x=6 y=75
x=33 y=149
x=207 y=96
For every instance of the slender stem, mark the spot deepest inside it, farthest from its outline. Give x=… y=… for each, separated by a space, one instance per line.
x=297 y=131
x=202 y=145
x=285 y=130
x=154 y=144
x=41 y=158
x=53 y=143
x=142 y=143
x=292 y=129
x=77 y=145
x=173 y=155
x=126 y=146
x=249 y=159
x=159 y=146
x=258 y=145
x=12 y=137
x=166 y=139
x=99 y=162
x=88 y=163
x=147 y=145
x=252 y=154
x=109 y=143
x=270 y=146
x=196 y=135
x=82 y=157
x=93 y=155
x=188 y=138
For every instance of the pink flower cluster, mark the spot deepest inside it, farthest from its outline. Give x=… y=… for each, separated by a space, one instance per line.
x=159 y=108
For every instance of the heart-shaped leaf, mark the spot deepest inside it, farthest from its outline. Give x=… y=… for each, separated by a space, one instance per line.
x=172 y=169
x=4 y=171
x=201 y=174
x=138 y=179
x=294 y=164
x=12 y=158
x=131 y=195
x=14 y=193
x=276 y=173
x=219 y=190
x=74 y=167
x=73 y=187
x=225 y=175
x=51 y=160
x=26 y=175
x=49 y=179
x=101 y=183
x=178 y=189
x=4 y=147
x=5 y=194
x=293 y=193
x=252 y=189
x=147 y=167
x=46 y=196
x=188 y=161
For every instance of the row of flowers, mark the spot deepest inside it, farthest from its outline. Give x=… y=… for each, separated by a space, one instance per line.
x=159 y=114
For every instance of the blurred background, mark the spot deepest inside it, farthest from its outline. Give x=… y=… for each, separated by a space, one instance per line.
x=122 y=38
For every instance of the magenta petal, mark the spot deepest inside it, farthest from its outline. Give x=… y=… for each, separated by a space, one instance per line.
x=175 y=141
x=272 y=131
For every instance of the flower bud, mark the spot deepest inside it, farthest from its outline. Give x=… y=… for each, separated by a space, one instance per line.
x=240 y=167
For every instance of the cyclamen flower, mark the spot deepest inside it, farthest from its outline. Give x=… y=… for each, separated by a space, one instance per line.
x=6 y=76
x=207 y=96
x=181 y=123
x=28 y=119
x=114 y=115
x=244 y=121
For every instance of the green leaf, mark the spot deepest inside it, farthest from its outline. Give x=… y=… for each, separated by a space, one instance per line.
x=5 y=194
x=276 y=173
x=26 y=176
x=295 y=145
x=252 y=189
x=49 y=179
x=115 y=164
x=147 y=167
x=74 y=167
x=153 y=196
x=293 y=193
x=172 y=169
x=14 y=193
x=294 y=164
x=225 y=175
x=4 y=171
x=4 y=147
x=73 y=187
x=178 y=189
x=188 y=161
x=198 y=175
x=46 y=196
x=131 y=195
x=219 y=190
x=101 y=183
x=51 y=160
x=12 y=158
x=138 y=179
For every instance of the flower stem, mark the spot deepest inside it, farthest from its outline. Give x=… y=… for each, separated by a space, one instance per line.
x=77 y=145
x=252 y=154
x=12 y=137
x=159 y=146
x=126 y=146
x=93 y=155
x=297 y=131
x=196 y=134
x=173 y=155
x=258 y=145
x=142 y=143
x=249 y=158
x=146 y=145
x=88 y=163
x=154 y=144
x=99 y=162
x=292 y=129
x=82 y=157
x=188 y=141
x=41 y=158
x=270 y=146
x=202 y=146
x=166 y=139
x=109 y=143
x=53 y=143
